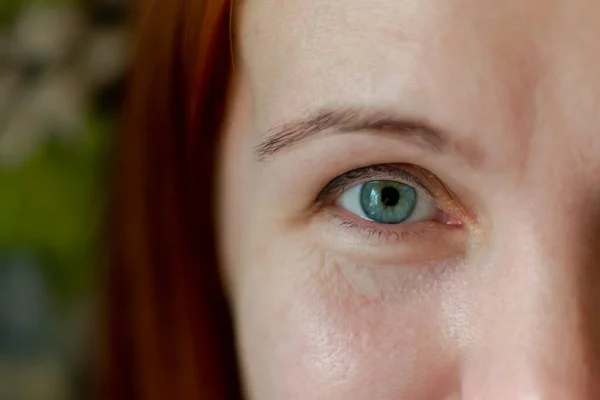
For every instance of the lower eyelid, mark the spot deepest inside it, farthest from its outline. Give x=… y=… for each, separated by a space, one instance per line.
x=374 y=245
x=373 y=231
x=377 y=233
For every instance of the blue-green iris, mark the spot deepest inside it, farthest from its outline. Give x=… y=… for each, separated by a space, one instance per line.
x=388 y=202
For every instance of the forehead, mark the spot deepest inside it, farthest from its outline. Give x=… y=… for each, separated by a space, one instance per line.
x=436 y=60
x=295 y=28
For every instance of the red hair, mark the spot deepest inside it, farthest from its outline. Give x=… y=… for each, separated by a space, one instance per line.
x=169 y=330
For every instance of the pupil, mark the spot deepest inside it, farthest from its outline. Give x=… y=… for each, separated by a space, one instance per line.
x=390 y=196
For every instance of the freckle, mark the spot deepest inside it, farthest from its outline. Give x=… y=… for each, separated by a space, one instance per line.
x=361 y=281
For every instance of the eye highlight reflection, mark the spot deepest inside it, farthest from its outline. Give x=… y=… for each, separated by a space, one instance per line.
x=388 y=202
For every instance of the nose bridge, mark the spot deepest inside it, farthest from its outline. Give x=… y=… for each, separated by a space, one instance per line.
x=540 y=329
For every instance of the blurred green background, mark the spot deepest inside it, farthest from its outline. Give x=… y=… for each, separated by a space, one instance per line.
x=62 y=64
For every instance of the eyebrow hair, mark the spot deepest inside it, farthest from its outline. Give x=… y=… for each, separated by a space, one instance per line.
x=353 y=120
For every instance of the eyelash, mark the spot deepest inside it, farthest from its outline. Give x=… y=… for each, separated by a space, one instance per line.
x=378 y=232
x=409 y=174
x=382 y=171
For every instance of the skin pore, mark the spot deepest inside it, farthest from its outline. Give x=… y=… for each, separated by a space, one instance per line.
x=489 y=111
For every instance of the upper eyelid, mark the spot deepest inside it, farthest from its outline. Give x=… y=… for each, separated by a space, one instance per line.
x=380 y=172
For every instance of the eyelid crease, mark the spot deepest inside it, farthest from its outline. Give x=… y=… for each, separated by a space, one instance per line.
x=379 y=172
x=457 y=206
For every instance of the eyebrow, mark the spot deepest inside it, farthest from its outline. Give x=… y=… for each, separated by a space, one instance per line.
x=337 y=121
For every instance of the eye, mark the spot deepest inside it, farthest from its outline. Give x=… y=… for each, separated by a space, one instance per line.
x=388 y=202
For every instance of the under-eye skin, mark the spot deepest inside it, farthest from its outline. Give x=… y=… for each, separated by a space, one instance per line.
x=390 y=201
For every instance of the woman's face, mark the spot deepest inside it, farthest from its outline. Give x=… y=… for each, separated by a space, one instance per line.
x=410 y=199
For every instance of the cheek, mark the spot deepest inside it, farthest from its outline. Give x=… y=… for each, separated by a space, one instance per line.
x=306 y=332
